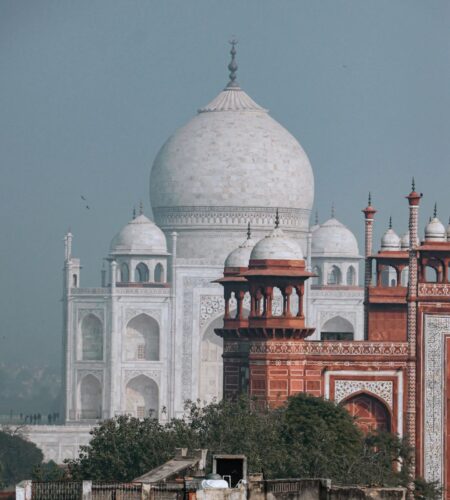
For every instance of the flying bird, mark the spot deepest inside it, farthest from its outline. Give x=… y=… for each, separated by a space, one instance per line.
x=88 y=207
x=83 y=198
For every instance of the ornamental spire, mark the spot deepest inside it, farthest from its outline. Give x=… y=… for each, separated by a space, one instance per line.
x=370 y=200
x=249 y=231
x=141 y=208
x=277 y=219
x=333 y=211
x=390 y=222
x=435 y=211
x=413 y=184
x=232 y=66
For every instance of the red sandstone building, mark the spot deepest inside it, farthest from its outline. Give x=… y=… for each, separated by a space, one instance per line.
x=396 y=379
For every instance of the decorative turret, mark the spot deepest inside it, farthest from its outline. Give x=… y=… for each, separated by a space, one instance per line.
x=390 y=242
x=435 y=230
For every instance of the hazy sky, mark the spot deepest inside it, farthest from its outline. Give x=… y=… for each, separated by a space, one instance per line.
x=90 y=90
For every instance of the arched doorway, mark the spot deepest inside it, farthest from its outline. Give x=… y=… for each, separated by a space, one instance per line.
x=91 y=338
x=142 y=339
x=211 y=363
x=370 y=413
x=142 y=397
x=90 y=398
x=337 y=328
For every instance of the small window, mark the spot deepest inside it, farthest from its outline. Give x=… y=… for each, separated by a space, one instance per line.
x=159 y=273
x=140 y=412
x=141 y=351
x=74 y=280
x=336 y=336
x=351 y=276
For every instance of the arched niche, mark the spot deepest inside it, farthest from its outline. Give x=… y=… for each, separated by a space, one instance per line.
x=334 y=276
x=141 y=273
x=124 y=273
x=211 y=363
x=431 y=274
x=91 y=338
x=142 y=339
x=317 y=280
x=337 y=328
x=142 y=397
x=159 y=273
x=388 y=276
x=90 y=398
x=371 y=414
x=351 y=276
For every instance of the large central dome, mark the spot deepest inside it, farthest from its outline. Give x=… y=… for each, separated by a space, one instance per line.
x=229 y=165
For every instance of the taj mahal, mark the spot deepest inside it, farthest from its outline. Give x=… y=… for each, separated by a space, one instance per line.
x=227 y=287
x=144 y=343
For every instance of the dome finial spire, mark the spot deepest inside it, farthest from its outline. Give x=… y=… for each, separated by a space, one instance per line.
x=435 y=211
x=333 y=211
x=277 y=219
x=370 y=199
x=232 y=66
x=390 y=222
x=249 y=231
x=134 y=213
x=141 y=208
x=413 y=184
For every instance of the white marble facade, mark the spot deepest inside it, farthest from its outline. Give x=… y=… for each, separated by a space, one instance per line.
x=143 y=342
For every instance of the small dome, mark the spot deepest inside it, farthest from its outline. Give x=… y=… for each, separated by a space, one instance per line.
x=276 y=246
x=404 y=241
x=140 y=236
x=241 y=255
x=390 y=242
x=332 y=238
x=435 y=231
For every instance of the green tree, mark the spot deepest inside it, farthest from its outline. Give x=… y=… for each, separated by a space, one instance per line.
x=18 y=458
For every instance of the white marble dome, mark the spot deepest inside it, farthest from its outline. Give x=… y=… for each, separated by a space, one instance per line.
x=230 y=164
x=435 y=230
x=333 y=239
x=404 y=241
x=140 y=236
x=241 y=255
x=390 y=241
x=276 y=246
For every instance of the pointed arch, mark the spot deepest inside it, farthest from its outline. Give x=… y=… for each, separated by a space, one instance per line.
x=317 y=280
x=351 y=276
x=90 y=398
x=142 y=339
x=159 y=273
x=337 y=328
x=142 y=397
x=91 y=338
x=141 y=273
x=334 y=276
x=211 y=363
x=371 y=414
x=124 y=273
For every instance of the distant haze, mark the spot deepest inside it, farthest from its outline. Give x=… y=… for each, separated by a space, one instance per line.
x=90 y=90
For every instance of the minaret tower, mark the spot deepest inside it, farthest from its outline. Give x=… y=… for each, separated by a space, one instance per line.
x=369 y=214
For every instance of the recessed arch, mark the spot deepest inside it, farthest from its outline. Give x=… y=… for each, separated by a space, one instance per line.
x=141 y=273
x=124 y=273
x=371 y=413
x=91 y=338
x=211 y=362
x=337 y=328
x=90 y=398
x=334 y=276
x=142 y=397
x=317 y=280
x=159 y=273
x=142 y=339
x=351 y=276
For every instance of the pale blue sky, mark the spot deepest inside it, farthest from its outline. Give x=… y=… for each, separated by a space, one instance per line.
x=90 y=89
